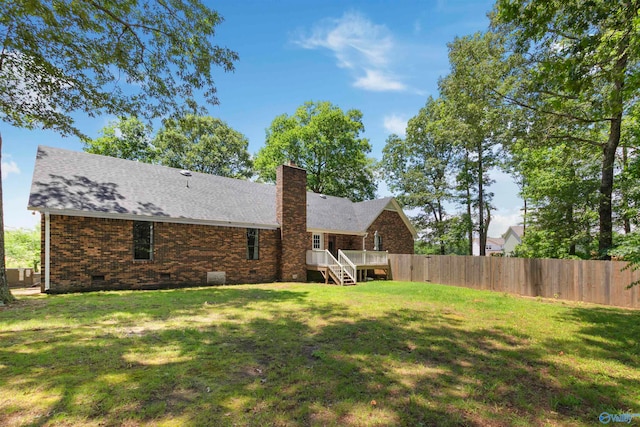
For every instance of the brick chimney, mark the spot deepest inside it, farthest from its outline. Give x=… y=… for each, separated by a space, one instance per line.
x=291 y=213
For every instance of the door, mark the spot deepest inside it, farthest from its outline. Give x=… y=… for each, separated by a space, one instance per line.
x=332 y=246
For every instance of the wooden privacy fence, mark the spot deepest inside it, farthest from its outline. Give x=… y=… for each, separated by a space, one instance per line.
x=601 y=282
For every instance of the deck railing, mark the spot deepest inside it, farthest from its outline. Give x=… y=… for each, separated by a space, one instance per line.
x=359 y=258
x=319 y=257
x=367 y=257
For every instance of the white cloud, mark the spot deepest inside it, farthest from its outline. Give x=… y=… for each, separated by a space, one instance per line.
x=395 y=124
x=358 y=45
x=501 y=222
x=379 y=82
x=9 y=168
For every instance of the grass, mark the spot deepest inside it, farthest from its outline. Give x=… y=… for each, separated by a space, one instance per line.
x=377 y=354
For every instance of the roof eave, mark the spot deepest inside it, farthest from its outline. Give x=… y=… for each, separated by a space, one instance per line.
x=405 y=219
x=133 y=217
x=329 y=231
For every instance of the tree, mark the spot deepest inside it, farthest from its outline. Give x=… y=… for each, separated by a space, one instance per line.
x=203 y=144
x=127 y=138
x=626 y=190
x=139 y=57
x=582 y=67
x=5 y=293
x=561 y=187
x=627 y=250
x=476 y=70
x=417 y=169
x=325 y=141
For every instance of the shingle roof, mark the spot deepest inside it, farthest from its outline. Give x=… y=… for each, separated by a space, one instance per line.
x=79 y=183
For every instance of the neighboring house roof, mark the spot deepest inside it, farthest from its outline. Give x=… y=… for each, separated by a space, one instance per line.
x=496 y=241
x=516 y=230
x=493 y=245
x=76 y=183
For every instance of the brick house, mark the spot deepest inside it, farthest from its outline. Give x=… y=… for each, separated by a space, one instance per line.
x=109 y=223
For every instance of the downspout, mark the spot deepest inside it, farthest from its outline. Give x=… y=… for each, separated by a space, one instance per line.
x=364 y=243
x=47 y=251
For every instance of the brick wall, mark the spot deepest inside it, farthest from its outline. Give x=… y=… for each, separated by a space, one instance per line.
x=291 y=212
x=396 y=237
x=82 y=248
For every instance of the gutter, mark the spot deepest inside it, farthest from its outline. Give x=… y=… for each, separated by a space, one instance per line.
x=47 y=251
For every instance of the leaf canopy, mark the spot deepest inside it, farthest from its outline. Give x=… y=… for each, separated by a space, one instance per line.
x=148 y=58
x=325 y=141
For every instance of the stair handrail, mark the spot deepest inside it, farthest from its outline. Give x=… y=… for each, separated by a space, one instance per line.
x=335 y=266
x=348 y=267
x=330 y=257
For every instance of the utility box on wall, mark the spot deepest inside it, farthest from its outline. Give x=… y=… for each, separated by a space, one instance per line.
x=216 y=277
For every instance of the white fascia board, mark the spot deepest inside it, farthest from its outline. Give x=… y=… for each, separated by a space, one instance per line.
x=327 y=231
x=131 y=217
x=404 y=218
x=394 y=206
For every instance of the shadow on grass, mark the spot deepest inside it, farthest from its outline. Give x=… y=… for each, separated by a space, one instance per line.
x=608 y=332
x=262 y=357
x=150 y=305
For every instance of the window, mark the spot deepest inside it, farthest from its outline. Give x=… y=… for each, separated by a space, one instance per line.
x=142 y=240
x=253 y=238
x=318 y=243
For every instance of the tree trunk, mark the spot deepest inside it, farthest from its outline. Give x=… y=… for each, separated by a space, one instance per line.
x=626 y=221
x=605 y=238
x=469 y=223
x=483 y=234
x=571 y=229
x=487 y=221
x=524 y=218
x=468 y=201
x=5 y=293
x=441 y=229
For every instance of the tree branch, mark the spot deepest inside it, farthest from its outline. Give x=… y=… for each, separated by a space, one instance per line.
x=552 y=113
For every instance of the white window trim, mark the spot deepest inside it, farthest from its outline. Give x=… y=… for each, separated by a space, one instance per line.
x=313 y=242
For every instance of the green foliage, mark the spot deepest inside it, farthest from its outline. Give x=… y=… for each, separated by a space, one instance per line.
x=627 y=191
x=325 y=141
x=418 y=167
x=628 y=249
x=582 y=73
x=561 y=187
x=138 y=57
x=454 y=239
x=131 y=57
x=22 y=248
x=126 y=138
x=544 y=243
x=203 y=144
x=480 y=119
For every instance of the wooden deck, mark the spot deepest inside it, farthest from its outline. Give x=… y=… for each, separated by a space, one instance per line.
x=350 y=267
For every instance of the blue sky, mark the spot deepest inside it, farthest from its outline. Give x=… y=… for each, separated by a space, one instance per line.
x=381 y=57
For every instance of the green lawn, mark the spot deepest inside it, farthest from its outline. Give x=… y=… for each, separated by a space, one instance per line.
x=376 y=354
